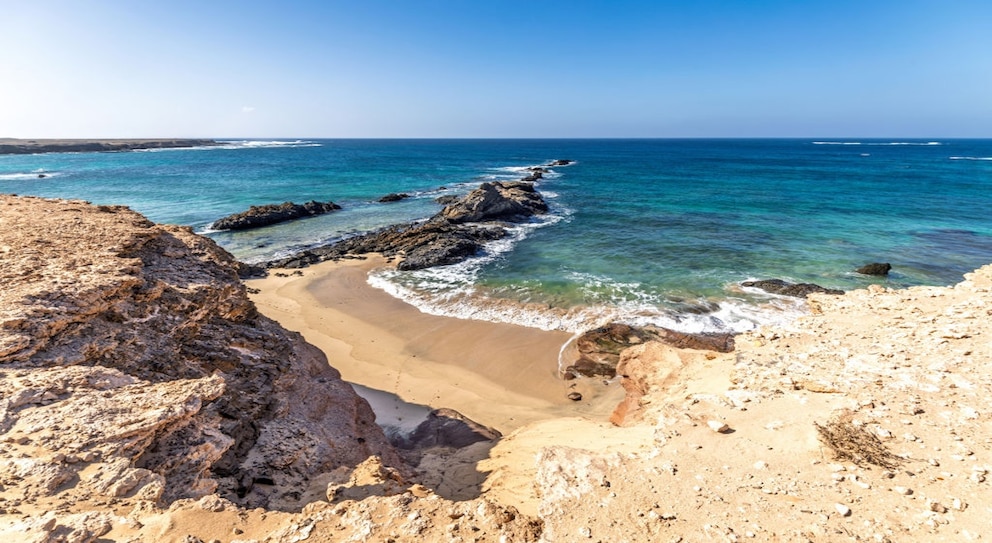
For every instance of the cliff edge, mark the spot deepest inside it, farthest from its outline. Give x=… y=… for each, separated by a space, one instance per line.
x=134 y=346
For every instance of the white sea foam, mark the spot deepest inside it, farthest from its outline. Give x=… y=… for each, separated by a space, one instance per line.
x=877 y=143
x=237 y=144
x=28 y=176
x=971 y=158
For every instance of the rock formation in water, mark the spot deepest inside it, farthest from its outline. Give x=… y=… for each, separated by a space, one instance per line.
x=133 y=363
x=457 y=232
x=875 y=268
x=784 y=288
x=258 y=216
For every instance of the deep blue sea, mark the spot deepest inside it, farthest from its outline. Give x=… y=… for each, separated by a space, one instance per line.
x=645 y=231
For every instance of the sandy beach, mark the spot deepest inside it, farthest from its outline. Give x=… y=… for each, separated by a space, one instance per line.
x=501 y=375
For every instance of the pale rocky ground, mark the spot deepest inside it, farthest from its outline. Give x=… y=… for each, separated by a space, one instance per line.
x=711 y=447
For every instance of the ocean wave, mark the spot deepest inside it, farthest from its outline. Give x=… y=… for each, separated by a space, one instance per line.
x=877 y=143
x=239 y=144
x=629 y=304
x=971 y=158
x=25 y=176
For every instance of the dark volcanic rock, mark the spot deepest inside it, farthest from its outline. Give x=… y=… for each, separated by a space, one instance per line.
x=561 y=162
x=257 y=216
x=447 y=200
x=394 y=197
x=433 y=243
x=875 y=268
x=496 y=201
x=448 y=428
x=599 y=349
x=784 y=288
x=447 y=238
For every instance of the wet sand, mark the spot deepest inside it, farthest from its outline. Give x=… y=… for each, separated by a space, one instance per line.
x=500 y=375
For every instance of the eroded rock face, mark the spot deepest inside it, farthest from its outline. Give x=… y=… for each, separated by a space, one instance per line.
x=138 y=349
x=257 y=216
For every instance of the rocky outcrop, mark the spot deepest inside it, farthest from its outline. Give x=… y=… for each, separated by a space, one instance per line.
x=496 y=201
x=139 y=351
x=784 y=288
x=599 y=350
x=875 y=268
x=257 y=216
x=393 y=197
x=448 y=428
x=10 y=146
x=458 y=232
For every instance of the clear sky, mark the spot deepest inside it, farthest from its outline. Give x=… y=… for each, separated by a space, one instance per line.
x=474 y=68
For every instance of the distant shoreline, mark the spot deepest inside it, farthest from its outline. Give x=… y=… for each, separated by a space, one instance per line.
x=13 y=146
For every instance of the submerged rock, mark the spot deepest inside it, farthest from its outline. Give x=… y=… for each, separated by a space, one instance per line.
x=257 y=216
x=394 y=197
x=875 y=268
x=784 y=288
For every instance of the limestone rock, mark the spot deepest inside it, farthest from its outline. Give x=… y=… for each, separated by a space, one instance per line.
x=139 y=349
x=599 y=349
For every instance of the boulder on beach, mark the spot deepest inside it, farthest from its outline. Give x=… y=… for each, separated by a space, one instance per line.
x=875 y=268
x=257 y=216
x=599 y=349
x=448 y=428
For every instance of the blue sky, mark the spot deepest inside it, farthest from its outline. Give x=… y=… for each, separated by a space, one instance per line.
x=496 y=69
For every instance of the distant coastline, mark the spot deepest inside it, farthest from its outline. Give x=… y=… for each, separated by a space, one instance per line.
x=13 y=146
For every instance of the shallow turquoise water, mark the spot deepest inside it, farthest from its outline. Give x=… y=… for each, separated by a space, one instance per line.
x=643 y=230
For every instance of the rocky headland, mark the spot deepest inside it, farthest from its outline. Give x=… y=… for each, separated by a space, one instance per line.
x=454 y=234
x=12 y=146
x=143 y=397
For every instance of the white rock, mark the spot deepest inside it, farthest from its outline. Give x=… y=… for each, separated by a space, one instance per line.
x=718 y=426
x=902 y=490
x=844 y=510
x=761 y=464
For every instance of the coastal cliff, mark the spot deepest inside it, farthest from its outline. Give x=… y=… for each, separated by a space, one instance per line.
x=136 y=344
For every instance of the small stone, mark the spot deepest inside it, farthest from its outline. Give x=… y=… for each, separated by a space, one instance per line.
x=760 y=464
x=936 y=507
x=844 y=510
x=718 y=426
x=958 y=505
x=902 y=490
x=574 y=396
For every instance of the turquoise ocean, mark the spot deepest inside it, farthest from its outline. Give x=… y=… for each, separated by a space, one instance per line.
x=641 y=231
